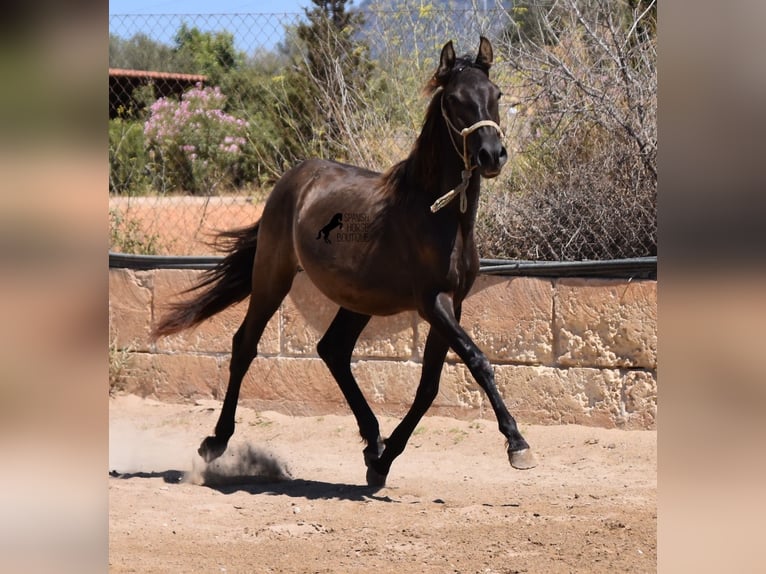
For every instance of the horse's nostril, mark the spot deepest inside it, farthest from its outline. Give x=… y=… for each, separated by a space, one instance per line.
x=492 y=157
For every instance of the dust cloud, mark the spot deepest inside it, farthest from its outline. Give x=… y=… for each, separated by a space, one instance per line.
x=240 y=464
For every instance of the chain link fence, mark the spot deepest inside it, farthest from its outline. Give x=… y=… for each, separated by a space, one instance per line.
x=206 y=111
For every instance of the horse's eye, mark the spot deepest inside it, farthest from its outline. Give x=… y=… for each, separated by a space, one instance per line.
x=499 y=95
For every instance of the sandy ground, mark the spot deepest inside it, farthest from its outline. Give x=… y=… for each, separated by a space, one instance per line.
x=290 y=496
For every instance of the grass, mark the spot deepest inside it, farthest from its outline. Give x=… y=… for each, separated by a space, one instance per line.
x=458 y=435
x=126 y=236
x=119 y=359
x=261 y=423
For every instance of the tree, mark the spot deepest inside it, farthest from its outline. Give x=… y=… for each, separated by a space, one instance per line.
x=208 y=53
x=328 y=38
x=333 y=68
x=532 y=22
x=140 y=53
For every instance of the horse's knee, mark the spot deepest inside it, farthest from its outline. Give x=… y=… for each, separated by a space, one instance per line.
x=329 y=353
x=427 y=391
x=324 y=351
x=239 y=342
x=480 y=367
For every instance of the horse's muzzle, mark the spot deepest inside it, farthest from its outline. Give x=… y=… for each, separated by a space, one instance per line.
x=491 y=157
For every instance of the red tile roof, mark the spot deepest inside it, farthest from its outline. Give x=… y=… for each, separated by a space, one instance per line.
x=121 y=72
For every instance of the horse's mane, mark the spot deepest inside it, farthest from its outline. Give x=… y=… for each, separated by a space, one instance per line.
x=423 y=158
x=420 y=163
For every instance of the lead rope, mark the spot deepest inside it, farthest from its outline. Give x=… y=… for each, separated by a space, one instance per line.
x=465 y=175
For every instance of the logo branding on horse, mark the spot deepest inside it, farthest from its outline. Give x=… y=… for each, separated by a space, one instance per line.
x=351 y=226
x=336 y=221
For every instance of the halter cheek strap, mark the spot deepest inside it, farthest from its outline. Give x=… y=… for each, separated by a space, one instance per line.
x=466 y=173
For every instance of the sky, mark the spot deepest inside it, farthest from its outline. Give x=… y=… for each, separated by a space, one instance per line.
x=206 y=6
x=163 y=30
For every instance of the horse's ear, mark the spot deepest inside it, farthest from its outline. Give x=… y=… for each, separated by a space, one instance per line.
x=484 y=59
x=446 y=63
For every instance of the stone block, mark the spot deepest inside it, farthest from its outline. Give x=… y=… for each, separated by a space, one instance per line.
x=186 y=377
x=130 y=309
x=387 y=382
x=135 y=375
x=306 y=314
x=213 y=335
x=545 y=395
x=509 y=318
x=290 y=380
x=564 y=351
x=287 y=407
x=422 y=329
x=173 y=378
x=459 y=390
x=391 y=337
x=639 y=400
x=605 y=323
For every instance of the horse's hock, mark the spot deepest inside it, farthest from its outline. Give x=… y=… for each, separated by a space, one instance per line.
x=564 y=351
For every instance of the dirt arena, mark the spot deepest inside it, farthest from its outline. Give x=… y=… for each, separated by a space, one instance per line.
x=290 y=496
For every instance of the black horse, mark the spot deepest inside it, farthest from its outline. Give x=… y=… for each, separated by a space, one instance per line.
x=419 y=253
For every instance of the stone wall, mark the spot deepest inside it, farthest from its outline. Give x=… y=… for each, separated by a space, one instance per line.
x=564 y=350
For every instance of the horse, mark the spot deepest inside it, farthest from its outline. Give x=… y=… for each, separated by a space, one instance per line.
x=417 y=252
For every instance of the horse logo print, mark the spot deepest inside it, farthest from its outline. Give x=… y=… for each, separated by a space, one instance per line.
x=336 y=221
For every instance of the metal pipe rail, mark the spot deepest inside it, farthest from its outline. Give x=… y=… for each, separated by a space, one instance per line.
x=636 y=268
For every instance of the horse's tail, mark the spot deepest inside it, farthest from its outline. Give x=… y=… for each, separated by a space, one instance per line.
x=229 y=282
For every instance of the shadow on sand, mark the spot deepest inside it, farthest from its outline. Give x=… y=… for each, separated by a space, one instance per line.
x=255 y=484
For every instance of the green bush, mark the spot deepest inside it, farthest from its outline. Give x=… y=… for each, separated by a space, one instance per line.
x=128 y=160
x=126 y=236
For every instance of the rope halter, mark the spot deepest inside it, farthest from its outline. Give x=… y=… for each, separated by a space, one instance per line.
x=468 y=168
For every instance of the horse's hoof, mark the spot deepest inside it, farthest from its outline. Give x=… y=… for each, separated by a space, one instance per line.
x=374 y=478
x=211 y=448
x=522 y=459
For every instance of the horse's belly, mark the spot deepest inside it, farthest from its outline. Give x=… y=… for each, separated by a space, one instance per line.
x=356 y=272
x=357 y=290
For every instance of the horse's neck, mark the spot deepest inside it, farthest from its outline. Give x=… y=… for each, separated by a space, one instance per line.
x=468 y=219
x=450 y=177
x=436 y=167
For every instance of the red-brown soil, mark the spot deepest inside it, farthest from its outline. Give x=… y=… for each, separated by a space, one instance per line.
x=182 y=225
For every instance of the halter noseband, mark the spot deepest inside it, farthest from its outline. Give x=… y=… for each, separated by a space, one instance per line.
x=468 y=168
x=465 y=132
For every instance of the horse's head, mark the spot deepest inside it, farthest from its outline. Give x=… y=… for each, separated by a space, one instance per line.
x=470 y=108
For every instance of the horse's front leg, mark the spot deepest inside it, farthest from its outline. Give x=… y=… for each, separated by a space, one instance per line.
x=433 y=359
x=442 y=318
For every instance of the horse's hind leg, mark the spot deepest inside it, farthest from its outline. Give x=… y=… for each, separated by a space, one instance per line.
x=335 y=349
x=270 y=286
